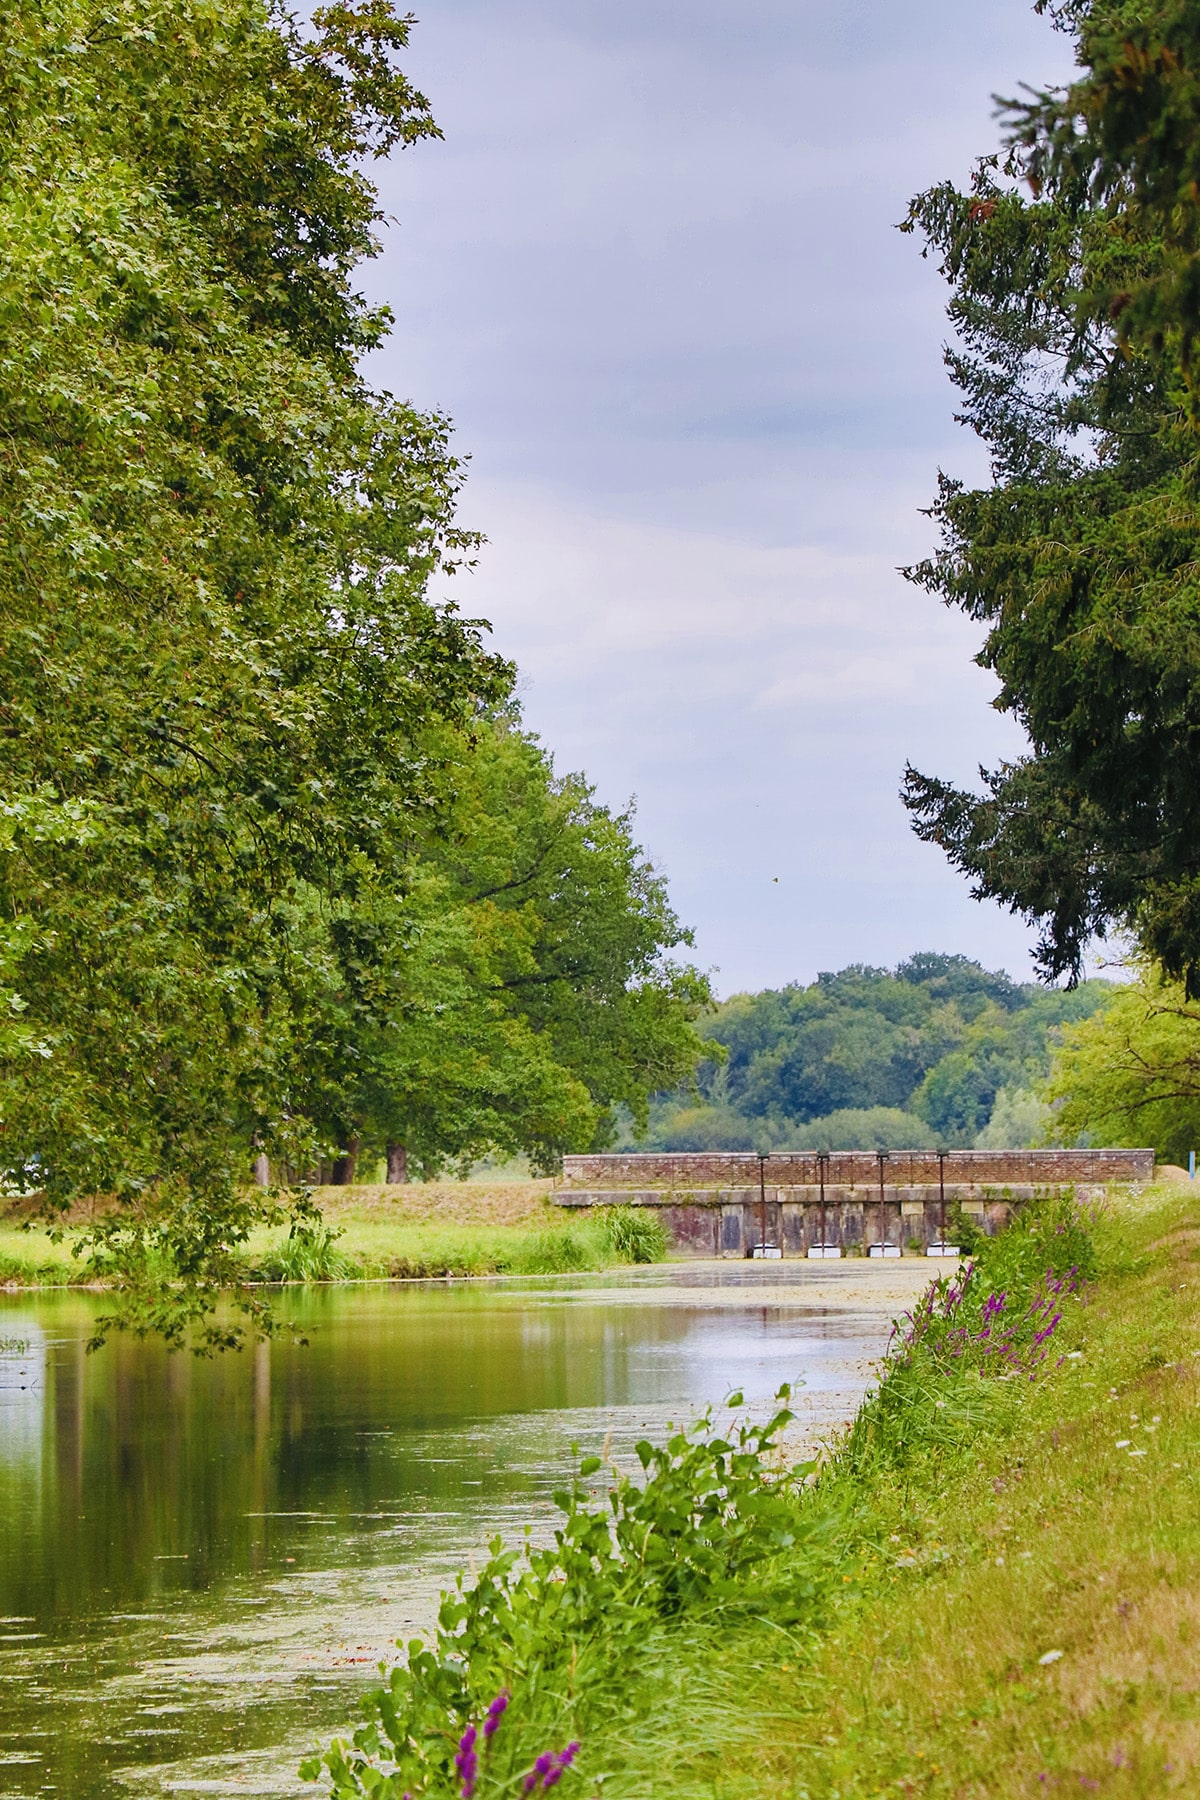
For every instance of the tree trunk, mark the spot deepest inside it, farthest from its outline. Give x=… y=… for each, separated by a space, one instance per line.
x=343 y=1165
x=397 y=1164
x=262 y=1169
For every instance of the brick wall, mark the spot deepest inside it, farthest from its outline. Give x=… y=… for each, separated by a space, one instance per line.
x=675 y=1172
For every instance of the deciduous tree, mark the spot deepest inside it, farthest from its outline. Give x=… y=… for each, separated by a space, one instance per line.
x=1131 y=1074
x=237 y=722
x=519 y=986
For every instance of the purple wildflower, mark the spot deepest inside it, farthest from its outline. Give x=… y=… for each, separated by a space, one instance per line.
x=550 y=1768
x=565 y=1759
x=541 y=1767
x=466 y=1761
x=495 y=1713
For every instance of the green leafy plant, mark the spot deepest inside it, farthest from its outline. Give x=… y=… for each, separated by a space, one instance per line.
x=963 y=1229
x=716 y=1526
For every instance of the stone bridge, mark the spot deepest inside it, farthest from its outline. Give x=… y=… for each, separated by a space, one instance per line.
x=845 y=1202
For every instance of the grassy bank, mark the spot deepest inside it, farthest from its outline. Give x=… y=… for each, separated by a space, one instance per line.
x=991 y=1587
x=370 y=1233
x=1043 y=1633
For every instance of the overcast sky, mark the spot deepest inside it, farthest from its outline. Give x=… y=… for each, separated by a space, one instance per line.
x=653 y=275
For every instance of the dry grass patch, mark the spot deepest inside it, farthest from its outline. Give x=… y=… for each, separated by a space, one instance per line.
x=442 y=1203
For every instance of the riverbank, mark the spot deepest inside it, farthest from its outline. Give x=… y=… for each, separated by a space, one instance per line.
x=993 y=1587
x=1079 y=1533
x=419 y=1230
x=1025 y=1610
x=258 y=1529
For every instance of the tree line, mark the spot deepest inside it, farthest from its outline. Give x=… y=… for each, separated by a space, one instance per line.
x=938 y=1052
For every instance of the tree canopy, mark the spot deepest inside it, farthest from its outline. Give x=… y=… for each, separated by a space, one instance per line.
x=1131 y=1075
x=873 y=1058
x=1072 y=265
x=255 y=889
x=515 y=989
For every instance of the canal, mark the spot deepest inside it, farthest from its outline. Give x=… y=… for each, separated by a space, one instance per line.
x=202 y=1562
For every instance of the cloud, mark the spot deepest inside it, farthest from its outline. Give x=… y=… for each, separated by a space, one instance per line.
x=761 y=701
x=653 y=274
x=702 y=615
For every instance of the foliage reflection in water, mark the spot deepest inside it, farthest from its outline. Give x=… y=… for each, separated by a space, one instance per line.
x=203 y=1561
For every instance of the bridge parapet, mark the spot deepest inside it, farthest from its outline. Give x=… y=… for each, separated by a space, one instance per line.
x=674 y=1172
x=727 y=1204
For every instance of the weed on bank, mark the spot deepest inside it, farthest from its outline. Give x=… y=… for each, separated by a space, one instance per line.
x=615 y=1235
x=908 y=1617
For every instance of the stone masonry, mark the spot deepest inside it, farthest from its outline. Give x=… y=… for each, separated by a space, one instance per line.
x=721 y=1204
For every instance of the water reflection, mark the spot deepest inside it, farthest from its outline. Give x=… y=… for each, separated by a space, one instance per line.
x=202 y=1560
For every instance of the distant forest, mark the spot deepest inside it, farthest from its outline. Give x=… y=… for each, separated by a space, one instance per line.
x=937 y=1052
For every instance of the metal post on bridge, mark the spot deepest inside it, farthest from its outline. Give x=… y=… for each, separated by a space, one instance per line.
x=942 y=1248
x=882 y=1248
x=762 y=1203
x=942 y=1196
x=822 y=1159
x=824 y=1248
x=765 y=1250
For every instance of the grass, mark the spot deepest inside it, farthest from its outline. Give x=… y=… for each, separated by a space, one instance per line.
x=456 y=1228
x=28 y=1259
x=427 y=1229
x=1054 y=1540
x=1022 y=1613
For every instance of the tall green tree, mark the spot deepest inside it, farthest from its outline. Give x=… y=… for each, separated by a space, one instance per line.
x=236 y=723
x=218 y=651
x=1071 y=264
x=517 y=988
x=1123 y=139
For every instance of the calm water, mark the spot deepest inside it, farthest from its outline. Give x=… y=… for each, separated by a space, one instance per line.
x=200 y=1563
